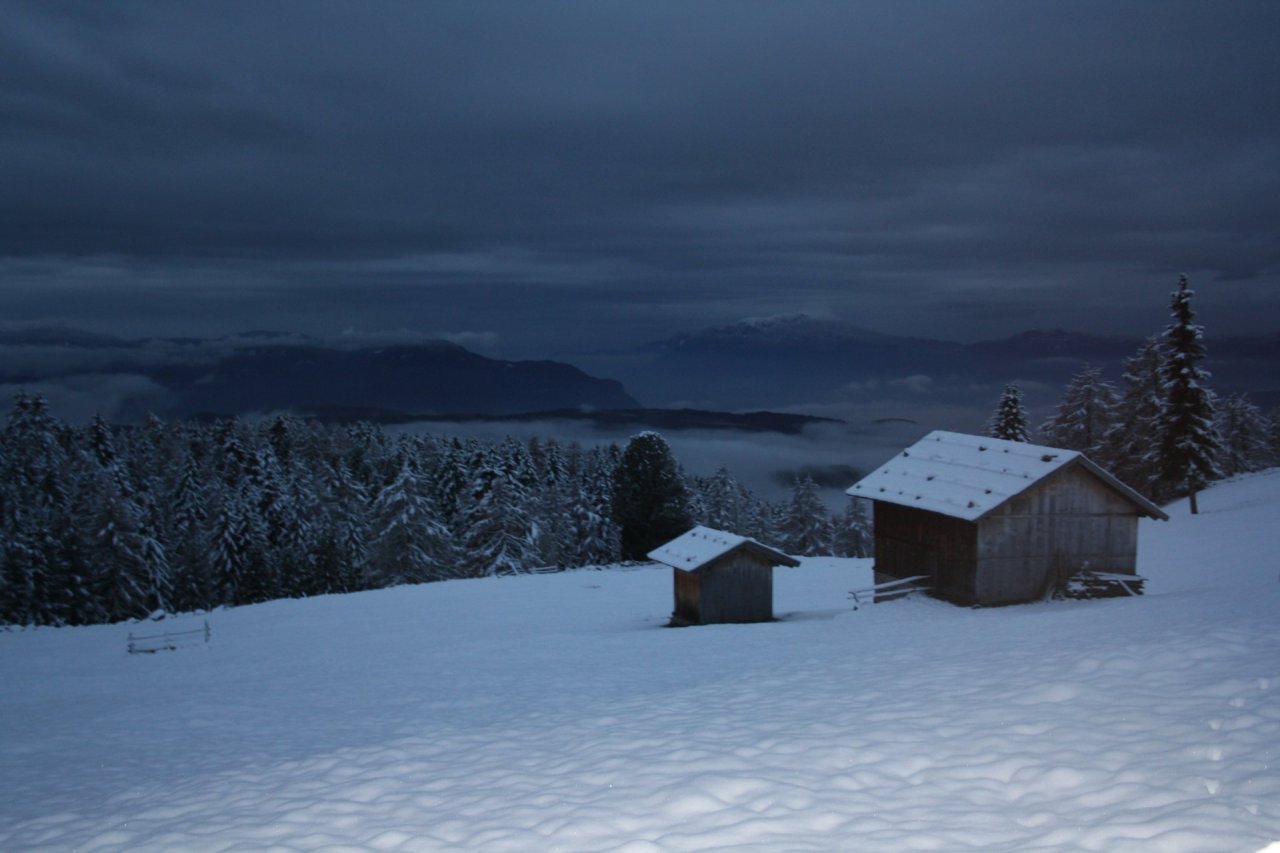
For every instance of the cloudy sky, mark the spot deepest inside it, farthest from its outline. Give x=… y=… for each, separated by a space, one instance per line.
x=546 y=176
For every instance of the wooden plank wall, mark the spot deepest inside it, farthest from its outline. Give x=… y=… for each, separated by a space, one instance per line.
x=688 y=596
x=1068 y=521
x=737 y=588
x=913 y=542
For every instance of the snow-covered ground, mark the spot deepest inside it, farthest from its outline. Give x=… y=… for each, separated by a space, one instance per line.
x=555 y=712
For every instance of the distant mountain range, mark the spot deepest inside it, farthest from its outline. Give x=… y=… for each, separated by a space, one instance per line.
x=265 y=371
x=798 y=359
x=694 y=378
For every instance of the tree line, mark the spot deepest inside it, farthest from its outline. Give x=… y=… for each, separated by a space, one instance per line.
x=103 y=523
x=1163 y=431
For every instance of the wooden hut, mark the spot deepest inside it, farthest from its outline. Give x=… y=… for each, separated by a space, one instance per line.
x=721 y=577
x=998 y=522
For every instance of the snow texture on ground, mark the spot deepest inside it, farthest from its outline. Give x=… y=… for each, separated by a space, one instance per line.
x=555 y=712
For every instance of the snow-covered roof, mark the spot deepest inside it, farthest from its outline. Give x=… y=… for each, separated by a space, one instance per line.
x=694 y=549
x=968 y=476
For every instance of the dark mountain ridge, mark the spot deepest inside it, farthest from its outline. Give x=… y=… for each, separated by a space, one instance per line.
x=270 y=371
x=798 y=359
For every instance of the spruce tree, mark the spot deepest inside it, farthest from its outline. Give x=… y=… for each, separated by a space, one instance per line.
x=594 y=539
x=854 y=537
x=499 y=532
x=406 y=534
x=1245 y=436
x=1009 y=421
x=806 y=529
x=650 y=501
x=1128 y=448
x=1085 y=417
x=1189 y=444
x=724 y=502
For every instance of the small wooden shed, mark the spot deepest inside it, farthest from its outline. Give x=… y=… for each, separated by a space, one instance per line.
x=999 y=522
x=721 y=577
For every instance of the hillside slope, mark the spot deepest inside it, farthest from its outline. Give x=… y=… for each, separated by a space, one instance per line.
x=556 y=713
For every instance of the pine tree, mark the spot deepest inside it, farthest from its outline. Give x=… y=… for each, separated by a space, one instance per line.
x=130 y=564
x=184 y=530
x=234 y=553
x=593 y=538
x=1009 y=421
x=99 y=441
x=1085 y=417
x=1245 y=434
x=806 y=528
x=342 y=552
x=1189 y=444
x=854 y=537
x=760 y=520
x=1129 y=446
x=650 y=501
x=406 y=534
x=499 y=538
x=724 y=502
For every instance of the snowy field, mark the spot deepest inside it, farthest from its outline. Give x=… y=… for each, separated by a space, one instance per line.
x=555 y=712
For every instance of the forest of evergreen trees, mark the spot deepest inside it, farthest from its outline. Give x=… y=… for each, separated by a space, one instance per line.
x=102 y=523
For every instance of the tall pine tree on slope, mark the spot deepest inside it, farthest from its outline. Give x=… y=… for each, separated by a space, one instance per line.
x=1085 y=417
x=650 y=500
x=1189 y=445
x=1009 y=421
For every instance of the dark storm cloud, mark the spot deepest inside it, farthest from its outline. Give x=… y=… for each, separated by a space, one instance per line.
x=662 y=163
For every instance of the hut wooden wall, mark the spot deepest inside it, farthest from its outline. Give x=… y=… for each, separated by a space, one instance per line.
x=736 y=588
x=688 y=589
x=1069 y=521
x=913 y=542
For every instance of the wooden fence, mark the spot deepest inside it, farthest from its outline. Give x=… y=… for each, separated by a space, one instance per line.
x=167 y=641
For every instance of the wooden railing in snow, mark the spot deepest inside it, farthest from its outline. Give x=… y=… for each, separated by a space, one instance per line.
x=167 y=641
x=889 y=590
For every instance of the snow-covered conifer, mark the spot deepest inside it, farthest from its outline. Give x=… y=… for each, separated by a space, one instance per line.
x=1009 y=421
x=724 y=501
x=853 y=536
x=1130 y=448
x=1085 y=416
x=1189 y=445
x=650 y=501
x=404 y=547
x=806 y=528
x=1245 y=434
x=497 y=541
x=130 y=565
